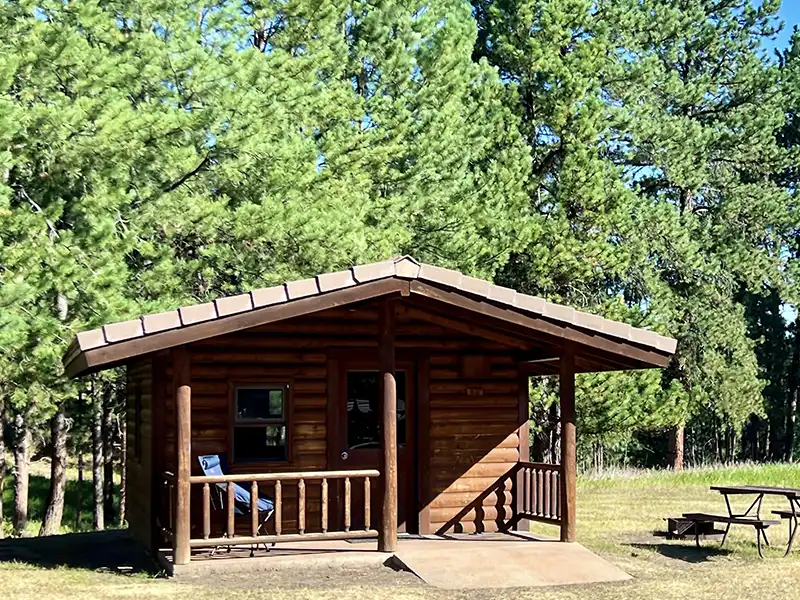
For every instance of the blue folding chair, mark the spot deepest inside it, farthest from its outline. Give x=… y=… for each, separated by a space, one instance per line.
x=215 y=465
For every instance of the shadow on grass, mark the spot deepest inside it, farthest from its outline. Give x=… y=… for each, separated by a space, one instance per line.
x=39 y=488
x=112 y=551
x=685 y=552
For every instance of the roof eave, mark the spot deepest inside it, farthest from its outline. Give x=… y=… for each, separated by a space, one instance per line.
x=88 y=359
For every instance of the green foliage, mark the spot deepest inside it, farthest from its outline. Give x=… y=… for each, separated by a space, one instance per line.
x=654 y=127
x=635 y=158
x=155 y=154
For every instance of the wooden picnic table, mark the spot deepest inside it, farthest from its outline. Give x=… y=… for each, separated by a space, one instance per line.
x=759 y=491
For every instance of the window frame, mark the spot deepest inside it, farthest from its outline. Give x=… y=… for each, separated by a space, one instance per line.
x=270 y=384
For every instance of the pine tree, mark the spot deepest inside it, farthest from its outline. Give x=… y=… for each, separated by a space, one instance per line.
x=653 y=129
x=154 y=155
x=700 y=146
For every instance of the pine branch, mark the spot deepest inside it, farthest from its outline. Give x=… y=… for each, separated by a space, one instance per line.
x=187 y=176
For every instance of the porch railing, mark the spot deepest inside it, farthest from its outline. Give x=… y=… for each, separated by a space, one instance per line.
x=275 y=486
x=166 y=520
x=537 y=489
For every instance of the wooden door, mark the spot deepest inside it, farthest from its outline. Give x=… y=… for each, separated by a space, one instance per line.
x=359 y=435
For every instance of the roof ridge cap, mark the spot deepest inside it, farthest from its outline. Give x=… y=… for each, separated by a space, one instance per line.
x=404 y=257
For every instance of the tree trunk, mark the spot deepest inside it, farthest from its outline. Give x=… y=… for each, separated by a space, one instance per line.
x=123 y=482
x=2 y=460
x=54 y=512
x=555 y=433
x=22 y=451
x=768 y=440
x=676 y=438
x=108 y=456
x=791 y=407
x=537 y=449
x=97 y=456
x=791 y=420
x=79 y=491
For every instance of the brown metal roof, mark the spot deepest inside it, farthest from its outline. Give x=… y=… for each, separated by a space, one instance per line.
x=233 y=313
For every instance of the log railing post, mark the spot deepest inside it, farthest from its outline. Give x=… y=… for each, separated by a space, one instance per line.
x=539 y=492
x=183 y=414
x=568 y=450
x=254 y=508
x=367 y=503
x=230 y=505
x=347 y=504
x=301 y=506
x=545 y=494
x=387 y=536
x=206 y=511
x=278 y=507
x=324 y=500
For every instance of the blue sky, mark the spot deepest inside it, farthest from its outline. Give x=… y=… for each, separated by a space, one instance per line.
x=790 y=14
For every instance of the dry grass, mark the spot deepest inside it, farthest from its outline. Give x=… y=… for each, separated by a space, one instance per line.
x=617 y=515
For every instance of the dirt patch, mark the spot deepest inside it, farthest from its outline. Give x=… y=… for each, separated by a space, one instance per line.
x=317 y=578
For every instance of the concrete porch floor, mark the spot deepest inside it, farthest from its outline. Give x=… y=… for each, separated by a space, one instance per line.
x=491 y=560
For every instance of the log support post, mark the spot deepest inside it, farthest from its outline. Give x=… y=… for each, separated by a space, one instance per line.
x=568 y=450
x=183 y=414
x=387 y=536
x=523 y=433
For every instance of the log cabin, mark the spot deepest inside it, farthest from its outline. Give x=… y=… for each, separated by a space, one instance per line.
x=389 y=397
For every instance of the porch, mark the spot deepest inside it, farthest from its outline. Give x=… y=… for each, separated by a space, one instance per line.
x=218 y=527
x=450 y=561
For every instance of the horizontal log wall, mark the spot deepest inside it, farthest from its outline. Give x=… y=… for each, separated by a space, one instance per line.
x=219 y=363
x=474 y=408
x=138 y=508
x=473 y=420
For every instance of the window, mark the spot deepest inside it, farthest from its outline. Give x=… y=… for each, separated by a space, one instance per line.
x=259 y=424
x=363 y=409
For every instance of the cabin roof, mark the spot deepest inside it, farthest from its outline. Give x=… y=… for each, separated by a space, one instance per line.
x=115 y=343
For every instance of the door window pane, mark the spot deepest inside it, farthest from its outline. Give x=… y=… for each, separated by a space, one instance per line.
x=363 y=409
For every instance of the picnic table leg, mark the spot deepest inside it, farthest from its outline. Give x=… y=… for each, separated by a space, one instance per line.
x=760 y=531
x=792 y=525
x=758 y=510
x=792 y=532
x=730 y=514
x=725 y=536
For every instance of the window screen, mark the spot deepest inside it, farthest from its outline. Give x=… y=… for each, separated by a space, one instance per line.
x=259 y=430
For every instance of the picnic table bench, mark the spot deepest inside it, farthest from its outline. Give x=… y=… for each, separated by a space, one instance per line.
x=760 y=525
x=792 y=515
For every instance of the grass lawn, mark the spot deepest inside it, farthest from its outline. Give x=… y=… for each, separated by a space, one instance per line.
x=617 y=514
x=38 y=488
